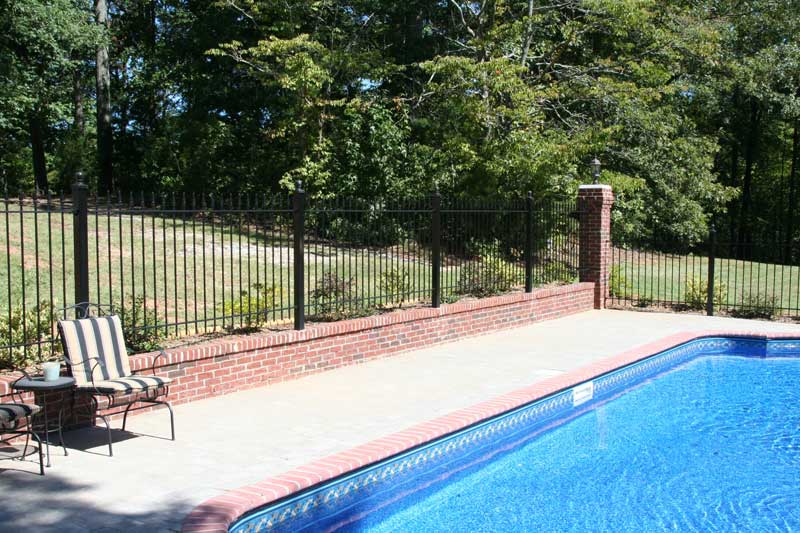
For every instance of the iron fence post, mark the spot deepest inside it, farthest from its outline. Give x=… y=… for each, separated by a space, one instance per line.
x=529 y=242
x=80 y=235
x=436 y=249
x=712 y=245
x=298 y=216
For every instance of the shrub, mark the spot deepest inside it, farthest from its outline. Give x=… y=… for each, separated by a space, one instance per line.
x=33 y=326
x=396 y=285
x=618 y=284
x=331 y=298
x=142 y=326
x=757 y=306
x=251 y=309
x=554 y=272
x=488 y=276
x=697 y=293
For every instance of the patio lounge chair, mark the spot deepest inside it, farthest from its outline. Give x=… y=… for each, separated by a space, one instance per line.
x=95 y=353
x=11 y=415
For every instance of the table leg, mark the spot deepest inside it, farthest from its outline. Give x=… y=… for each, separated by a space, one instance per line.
x=46 y=428
x=61 y=427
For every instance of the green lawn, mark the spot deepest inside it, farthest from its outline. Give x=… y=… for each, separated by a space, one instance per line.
x=185 y=270
x=665 y=278
x=191 y=276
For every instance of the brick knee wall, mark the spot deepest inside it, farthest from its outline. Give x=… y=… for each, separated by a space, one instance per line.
x=237 y=363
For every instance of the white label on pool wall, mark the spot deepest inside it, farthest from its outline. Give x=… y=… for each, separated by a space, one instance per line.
x=582 y=393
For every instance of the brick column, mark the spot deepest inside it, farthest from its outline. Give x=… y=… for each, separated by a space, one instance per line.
x=594 y=206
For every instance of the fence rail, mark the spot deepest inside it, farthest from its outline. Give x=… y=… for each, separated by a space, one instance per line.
x=186 y=265
x=748 y=280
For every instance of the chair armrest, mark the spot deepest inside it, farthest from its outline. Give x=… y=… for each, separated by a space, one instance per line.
x=97 y=362
x=153 y=366
x=14 y=390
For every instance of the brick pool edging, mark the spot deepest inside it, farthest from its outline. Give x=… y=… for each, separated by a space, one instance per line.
x=217 y=514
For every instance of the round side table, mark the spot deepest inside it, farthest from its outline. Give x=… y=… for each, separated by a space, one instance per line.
x=37 y=384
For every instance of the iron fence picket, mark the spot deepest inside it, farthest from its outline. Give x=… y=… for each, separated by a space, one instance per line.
x=385 y=253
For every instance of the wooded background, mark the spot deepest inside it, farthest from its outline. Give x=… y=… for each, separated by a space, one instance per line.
x=692 y=105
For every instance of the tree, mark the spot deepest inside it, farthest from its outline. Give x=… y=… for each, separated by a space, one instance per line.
x=38 y=43
x=105 y=134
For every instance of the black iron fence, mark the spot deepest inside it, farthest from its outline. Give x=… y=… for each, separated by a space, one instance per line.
x=715 y=276
x=186 y=265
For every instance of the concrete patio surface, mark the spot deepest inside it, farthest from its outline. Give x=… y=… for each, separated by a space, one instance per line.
x=229 y=441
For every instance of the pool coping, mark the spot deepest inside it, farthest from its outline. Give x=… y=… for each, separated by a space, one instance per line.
x=217 y=514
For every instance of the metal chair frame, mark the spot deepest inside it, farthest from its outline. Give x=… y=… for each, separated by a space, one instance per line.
x=116 y=399
x=28 y=432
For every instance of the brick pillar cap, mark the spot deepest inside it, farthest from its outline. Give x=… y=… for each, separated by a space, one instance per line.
x=594 y=186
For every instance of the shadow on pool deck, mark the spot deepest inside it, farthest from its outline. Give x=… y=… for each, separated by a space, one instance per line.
x=49 y=504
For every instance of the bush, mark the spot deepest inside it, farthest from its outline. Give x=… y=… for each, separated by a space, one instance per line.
x=554 y=272
x=142 y=326
x=618 y=284
x=488 y=276
x=332 y=300
x=757 y=306
x=251 y=309
x=697 y=293
x=33 y=326
x=396 y=285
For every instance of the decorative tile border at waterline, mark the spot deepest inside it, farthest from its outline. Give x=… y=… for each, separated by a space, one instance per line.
x=534 y=404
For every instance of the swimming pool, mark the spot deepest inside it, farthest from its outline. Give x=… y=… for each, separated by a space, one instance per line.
x=704 y=436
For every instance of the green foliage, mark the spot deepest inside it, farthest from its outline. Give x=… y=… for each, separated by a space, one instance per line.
x=757 y=305
x=33 y=326
x=331 y=298
x=488 y=275
x=251 y=309
x=396 y=285
x=142 y=326
x=618 y=284
x=554 y=272
x=696 y=293
x=691 y=106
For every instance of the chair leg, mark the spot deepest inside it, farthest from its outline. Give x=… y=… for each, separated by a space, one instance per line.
x=125 y=416
x=28 y=434
x=96 y=412
x=108 y=431
x=171 y=415
x=27 y=441
x=41 y=454
x=171 y=419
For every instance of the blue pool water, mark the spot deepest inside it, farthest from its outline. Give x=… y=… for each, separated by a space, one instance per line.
x=727 y=459
x=683 y=441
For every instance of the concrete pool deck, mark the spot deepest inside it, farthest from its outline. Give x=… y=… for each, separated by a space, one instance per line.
x=242 y=438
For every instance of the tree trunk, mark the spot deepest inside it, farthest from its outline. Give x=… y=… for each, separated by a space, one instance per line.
x=751 y=149
x=37 y=147
x=78 y=113
x=791 y=219
x=526 y=46
x=105 y=136
x=149 y=16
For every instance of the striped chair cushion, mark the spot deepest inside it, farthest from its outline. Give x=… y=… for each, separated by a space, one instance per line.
x=129 y=384
x=99 y=337
x=10 y=412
